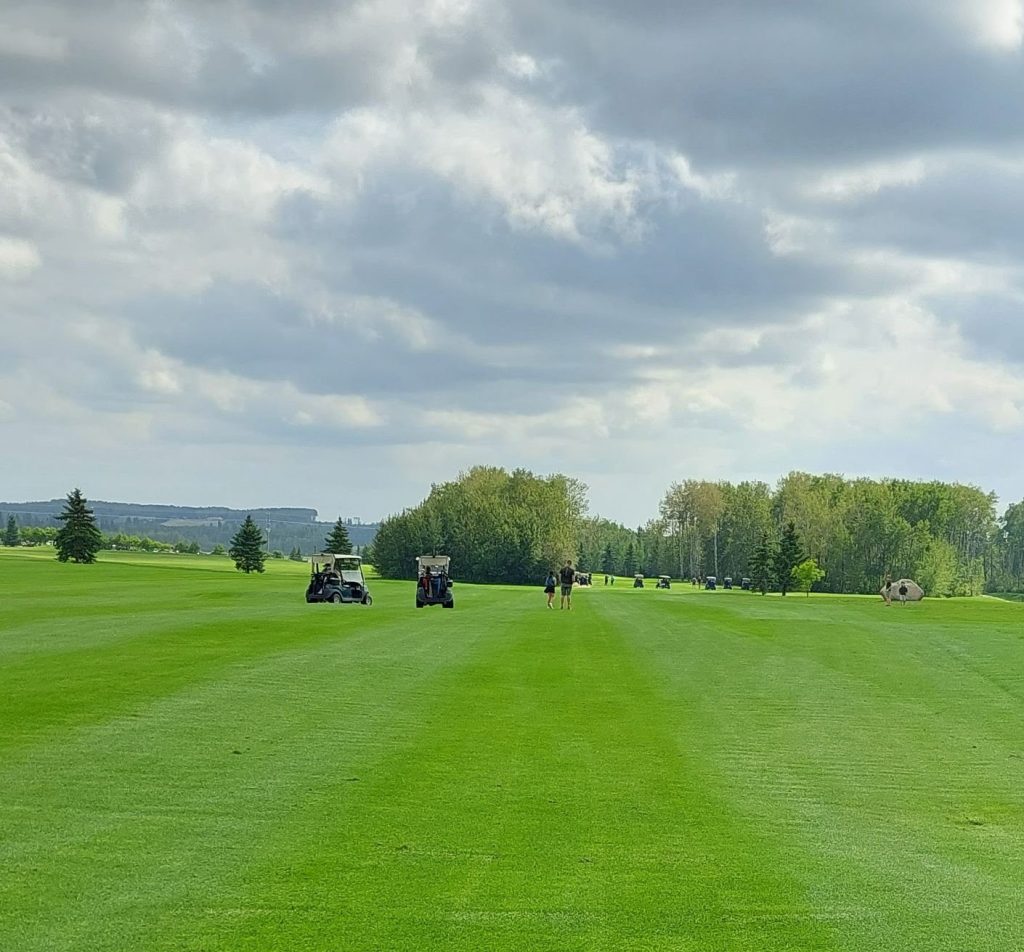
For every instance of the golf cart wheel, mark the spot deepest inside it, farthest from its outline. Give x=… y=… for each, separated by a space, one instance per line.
x=367 y=600
x=419 y=604
x=449 y=604
x=336 y=598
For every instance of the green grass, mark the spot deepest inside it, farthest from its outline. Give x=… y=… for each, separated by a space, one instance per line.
x=1009 y=596
x=191 y=759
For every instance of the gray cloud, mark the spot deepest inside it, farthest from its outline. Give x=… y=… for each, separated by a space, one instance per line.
x=635 y=244
x=741 y=83
x=969 y=210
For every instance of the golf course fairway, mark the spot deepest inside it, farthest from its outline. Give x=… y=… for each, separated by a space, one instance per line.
x=194 y=759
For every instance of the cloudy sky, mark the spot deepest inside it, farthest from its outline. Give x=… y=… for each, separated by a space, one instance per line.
x=324 y=253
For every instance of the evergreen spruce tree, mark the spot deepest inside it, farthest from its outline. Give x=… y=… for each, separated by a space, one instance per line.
x=79 y=539
x=12 y=536
x=762 y=564
x=608 y=560
x=247 y=547
x=630 y=561
x=787 y=557
x=338 y=541
x=296 y=555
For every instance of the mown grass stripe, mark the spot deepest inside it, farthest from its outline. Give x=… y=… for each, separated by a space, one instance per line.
x=118 y=834
x=911 y=801
x=548 y=806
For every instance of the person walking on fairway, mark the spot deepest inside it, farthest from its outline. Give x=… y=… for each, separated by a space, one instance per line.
x=549 y=588
x=903 y=593
x=888 y=591
x=567 y=576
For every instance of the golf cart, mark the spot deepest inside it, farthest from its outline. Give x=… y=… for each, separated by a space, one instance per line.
x=727 y=582
x=711 y=583
x=638 y=581
x=433 y=583
x=337 y=579
x=664 y=581
x=745 y=584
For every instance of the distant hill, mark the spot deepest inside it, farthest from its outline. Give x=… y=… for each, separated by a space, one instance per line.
x=287 y=527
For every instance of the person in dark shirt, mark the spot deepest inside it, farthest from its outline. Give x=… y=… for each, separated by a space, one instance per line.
x=549 y=588
x=567 y=575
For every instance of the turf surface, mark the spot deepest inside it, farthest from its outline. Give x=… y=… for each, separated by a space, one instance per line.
x=192 y=759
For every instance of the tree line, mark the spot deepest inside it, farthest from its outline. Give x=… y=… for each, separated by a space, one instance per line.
x=38 y=526
x=15 y=535
x=79 y=539
x=511 y=527
x=945 y=535
x=501 y=526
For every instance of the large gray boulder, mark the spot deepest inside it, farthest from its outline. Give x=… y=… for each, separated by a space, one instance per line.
x=914 y=591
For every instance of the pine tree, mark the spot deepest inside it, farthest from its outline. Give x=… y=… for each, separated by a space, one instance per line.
x=762 y=564
x=788 y=556
x=296 y=555
x=630 y=561
x=11 y=535
x=338 y=541
x=607 y=560
x=247 y=547
x=79 y=539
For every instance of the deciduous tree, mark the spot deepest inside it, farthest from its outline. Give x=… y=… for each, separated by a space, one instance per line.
x=497 y=526
x=805 y=575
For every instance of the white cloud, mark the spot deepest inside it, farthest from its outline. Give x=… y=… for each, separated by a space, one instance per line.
x=598 y=244
x=788 y=234
x=216 y=177
x=540 y=164
x=158 y=375
x=852 y=183
x=17 y=257
x=996 y=23
x=520 y=66
x=576 y=418
x=719 y=186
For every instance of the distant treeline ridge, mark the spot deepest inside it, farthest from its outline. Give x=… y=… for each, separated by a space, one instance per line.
x=207 y=527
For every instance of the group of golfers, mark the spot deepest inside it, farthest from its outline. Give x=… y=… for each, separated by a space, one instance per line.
x=565 y=577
